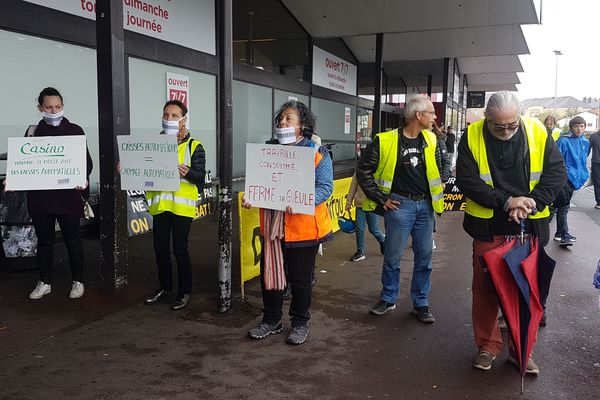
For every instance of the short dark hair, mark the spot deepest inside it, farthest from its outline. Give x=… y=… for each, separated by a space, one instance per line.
x=307 y=118
x=177 y=103
x=576 y=121
x=49 y=91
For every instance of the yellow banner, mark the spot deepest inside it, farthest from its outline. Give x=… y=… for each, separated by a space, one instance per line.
x=250 y=240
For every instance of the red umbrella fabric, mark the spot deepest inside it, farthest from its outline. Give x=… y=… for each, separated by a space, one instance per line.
x=513 y=267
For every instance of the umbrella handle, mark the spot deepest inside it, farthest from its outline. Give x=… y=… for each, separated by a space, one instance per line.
x=522 y=226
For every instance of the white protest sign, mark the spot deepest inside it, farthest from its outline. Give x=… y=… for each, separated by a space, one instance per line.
x=278 y=176
x=46 y=162
x=149 y=162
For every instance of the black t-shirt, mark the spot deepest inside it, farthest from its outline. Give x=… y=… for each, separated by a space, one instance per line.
x=410 y=175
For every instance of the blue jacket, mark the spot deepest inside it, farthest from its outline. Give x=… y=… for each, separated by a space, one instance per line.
x=575 y=151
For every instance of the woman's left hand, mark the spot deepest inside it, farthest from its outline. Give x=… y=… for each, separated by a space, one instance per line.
x=82 y=188
x=183 y=170
x=289 y=210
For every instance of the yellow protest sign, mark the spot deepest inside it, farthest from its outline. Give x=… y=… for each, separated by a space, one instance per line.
x=250 y=240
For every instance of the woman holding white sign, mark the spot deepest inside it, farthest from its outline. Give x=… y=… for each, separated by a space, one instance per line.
x=173 y=212
x=293 y=238
x=46 y=207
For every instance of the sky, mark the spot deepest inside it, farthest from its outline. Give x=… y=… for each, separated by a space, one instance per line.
x=573 y=27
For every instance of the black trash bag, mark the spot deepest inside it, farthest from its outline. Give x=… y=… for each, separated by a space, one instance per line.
x=16 y=231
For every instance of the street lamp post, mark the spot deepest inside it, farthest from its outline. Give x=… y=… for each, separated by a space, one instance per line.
x=556 y=53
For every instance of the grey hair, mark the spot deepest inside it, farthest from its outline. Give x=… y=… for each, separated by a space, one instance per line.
x=417 y=104
x=503 y=101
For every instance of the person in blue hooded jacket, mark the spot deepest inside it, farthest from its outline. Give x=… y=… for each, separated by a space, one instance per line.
x=575 y=149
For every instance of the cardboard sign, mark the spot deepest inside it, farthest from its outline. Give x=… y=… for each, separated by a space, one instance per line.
x=278 y=176
x=149 y=162
x=454 y=199
x=46 y=162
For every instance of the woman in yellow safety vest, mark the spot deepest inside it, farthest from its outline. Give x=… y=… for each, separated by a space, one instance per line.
x=173 y=212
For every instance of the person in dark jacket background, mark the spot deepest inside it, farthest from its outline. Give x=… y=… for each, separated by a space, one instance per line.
x=46 y=207
x=173 y=212
x=510 y=170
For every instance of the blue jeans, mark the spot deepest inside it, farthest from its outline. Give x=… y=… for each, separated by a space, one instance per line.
x=414 y=218
x=372 y=220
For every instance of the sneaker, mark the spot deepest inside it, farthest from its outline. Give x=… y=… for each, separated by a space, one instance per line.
x=565 y=240
x=573 y=238
x=424 y=314
x=543 y=320
x=483 y=360
x=40 y=290
x=597 y=206
x=382 y=247
x=263 y=330
x=382 y=307
x=532 y=367
x=76 y=290
x=298 y=334
x=433 y=246
x=558 y=236
x=359 y=255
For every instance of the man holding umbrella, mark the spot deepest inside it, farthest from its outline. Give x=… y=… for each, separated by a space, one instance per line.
x=509 y=173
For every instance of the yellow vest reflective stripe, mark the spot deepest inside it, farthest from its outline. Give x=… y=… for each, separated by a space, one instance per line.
x=185 y=200
x=556 y=134
x=536 y=140
x=388 y=156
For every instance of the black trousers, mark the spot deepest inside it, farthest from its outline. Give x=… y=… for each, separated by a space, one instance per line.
x=300 y=262
x=165 y=226
x=45 y=230
x=596 y=181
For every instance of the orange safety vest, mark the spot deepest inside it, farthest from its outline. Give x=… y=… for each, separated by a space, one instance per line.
x=306 y=230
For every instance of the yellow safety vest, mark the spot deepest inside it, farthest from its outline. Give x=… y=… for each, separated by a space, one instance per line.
x=388 y=156
x=556 y=134
x=536 y=139
x=185 y=200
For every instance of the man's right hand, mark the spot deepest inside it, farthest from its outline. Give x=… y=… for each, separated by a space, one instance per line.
x=526 y=204
x=246 y=204
x=391 y=205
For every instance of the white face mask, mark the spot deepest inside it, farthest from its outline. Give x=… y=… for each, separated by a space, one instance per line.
x=286 y=135
x=53 y=119
x=171 y=127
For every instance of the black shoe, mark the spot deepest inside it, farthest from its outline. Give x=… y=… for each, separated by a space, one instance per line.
x=287 y=293
x=565 y=240
x=298 y=334
x=382 y=307
x=159 y=296
x=264 y=329
x=181 y=302
x=382 y=247
x=543 y=320
x=424 y=314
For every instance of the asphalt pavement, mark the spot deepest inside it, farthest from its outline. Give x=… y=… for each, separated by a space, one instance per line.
x=111 y=346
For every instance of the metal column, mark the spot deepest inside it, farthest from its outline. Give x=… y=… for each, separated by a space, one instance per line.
x=113 y=120
x=225 y=144
x=378 y=81
x=429 y=85
x=445 y=92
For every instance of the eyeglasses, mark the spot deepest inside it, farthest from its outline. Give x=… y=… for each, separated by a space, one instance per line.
x=429 y=112
x=501 y=128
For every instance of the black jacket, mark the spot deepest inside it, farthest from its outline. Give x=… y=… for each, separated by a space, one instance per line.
x=552 y=180
x=367 y=165
x=197 y=170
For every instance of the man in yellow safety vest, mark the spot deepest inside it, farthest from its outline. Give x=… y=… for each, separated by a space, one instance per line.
x=510 y=171
x=400 y=175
